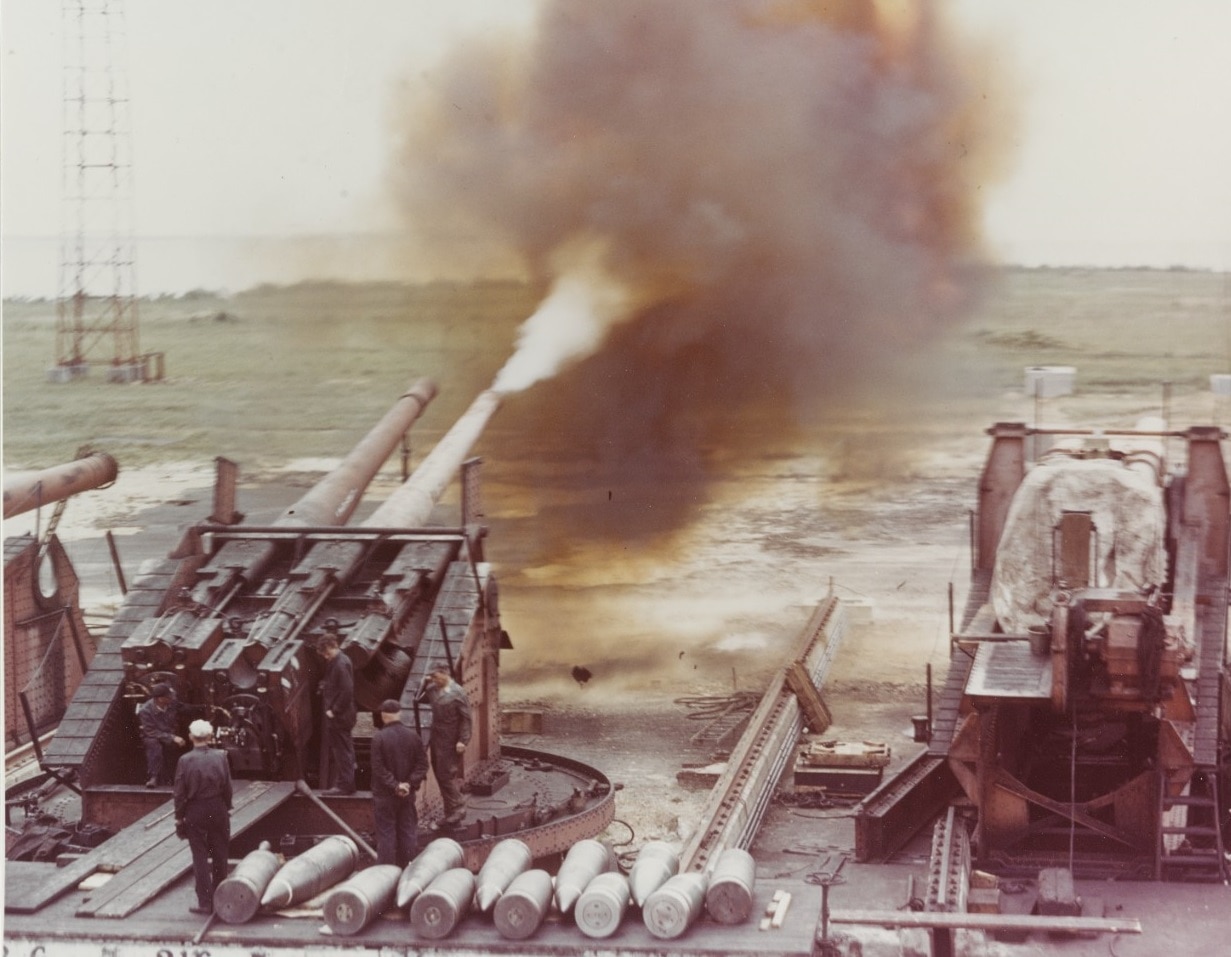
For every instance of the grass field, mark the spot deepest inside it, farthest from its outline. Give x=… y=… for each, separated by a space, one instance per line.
x=275 y=373
x=260 y=377
x=1123 y=329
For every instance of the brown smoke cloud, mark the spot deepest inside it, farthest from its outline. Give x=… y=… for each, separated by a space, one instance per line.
x=786 y=191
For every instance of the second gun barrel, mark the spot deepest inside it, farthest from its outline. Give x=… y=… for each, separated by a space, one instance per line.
x=334 y=498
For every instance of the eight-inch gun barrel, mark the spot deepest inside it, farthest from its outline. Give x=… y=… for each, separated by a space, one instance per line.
x=28 y=492
x=334 y=498
x=242 y=564
x=411 y=505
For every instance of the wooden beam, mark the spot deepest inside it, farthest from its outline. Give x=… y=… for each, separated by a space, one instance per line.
x=302 y=787
x=1069 y=812
x=170 y=858
x=147 y=854
x=816 y=714
x=963 y=921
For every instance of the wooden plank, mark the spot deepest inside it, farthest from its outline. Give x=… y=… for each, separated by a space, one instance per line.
x=169 y=850
x=114 y=854
x=120 y=851
x=816 y=714
x=168 y=861
x=953 y=920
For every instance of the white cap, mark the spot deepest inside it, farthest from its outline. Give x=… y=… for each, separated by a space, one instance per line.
x=200 y=730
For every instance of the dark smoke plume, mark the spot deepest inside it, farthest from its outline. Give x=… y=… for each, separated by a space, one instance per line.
x=745 y=211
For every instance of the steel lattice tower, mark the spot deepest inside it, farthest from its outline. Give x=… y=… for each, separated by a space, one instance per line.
x=96 y=296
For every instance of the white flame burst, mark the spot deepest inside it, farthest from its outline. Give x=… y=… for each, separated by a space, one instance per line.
x=571 y=322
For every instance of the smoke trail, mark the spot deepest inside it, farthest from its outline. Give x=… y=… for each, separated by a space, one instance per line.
x=781 y=196
x=583 y=304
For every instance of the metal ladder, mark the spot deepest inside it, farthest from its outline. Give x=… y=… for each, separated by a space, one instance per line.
x=1206 y=861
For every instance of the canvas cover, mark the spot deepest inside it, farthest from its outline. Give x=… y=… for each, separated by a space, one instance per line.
x=1126 y=505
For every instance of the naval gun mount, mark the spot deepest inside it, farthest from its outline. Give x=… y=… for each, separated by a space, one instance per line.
x=231 y=620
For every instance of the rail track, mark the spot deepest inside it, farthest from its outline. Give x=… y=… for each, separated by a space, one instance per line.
x=739 y=799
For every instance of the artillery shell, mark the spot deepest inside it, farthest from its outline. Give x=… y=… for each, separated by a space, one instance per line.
x=523 y=905
x=238 y=898
x=507 y=859
x=439 y=856
x=602 y=905
x=361 y=898
x=656 y=862
x=439 y=908
x=584 y=861
x=674 y=907
x=305 y=876
x=729 y=897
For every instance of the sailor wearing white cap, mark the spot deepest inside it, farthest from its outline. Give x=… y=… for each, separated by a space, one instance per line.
x=202 y=811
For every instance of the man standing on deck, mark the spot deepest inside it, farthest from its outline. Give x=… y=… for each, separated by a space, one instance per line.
x=450 y=734
x=202 y=812
x=399 y=765
x=338 y=694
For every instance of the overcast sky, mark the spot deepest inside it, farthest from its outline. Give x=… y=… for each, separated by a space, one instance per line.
x=271 y=118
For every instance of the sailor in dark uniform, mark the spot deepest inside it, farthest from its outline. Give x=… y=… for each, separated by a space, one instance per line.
x=338 y=694
x=399 y=766
x=202 y=812
x=159 y=719
x=451 y=728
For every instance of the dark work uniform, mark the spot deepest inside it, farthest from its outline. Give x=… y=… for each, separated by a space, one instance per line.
x=398 y=757
x=159 y=728
x=450 y=724
x=338 y=696
x=203 y=803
